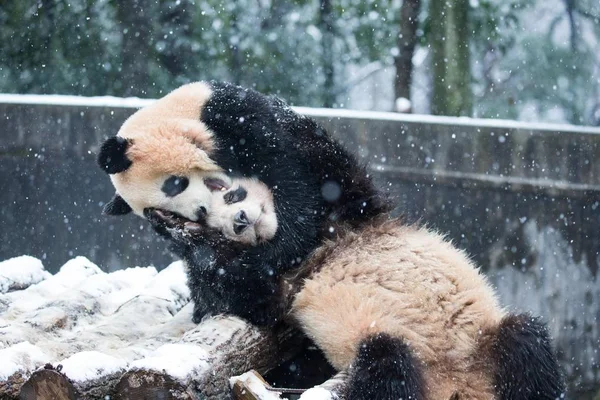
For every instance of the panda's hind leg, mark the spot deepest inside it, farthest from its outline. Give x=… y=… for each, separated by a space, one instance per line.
x=523 y=362
x=384 y=369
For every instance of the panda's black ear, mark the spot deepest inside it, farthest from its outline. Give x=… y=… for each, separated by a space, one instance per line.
x=116 y=206
x=112 y=158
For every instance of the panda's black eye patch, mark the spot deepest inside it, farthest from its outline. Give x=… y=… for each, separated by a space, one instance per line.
x=235 y=196
x=175 y=185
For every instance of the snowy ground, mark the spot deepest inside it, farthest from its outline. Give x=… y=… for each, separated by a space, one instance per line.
x=91 y=322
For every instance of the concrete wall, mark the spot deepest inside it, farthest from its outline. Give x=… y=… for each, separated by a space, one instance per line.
x=523 y=200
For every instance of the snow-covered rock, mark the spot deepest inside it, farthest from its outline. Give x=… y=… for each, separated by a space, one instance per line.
x=91 y=322
x=21 y=272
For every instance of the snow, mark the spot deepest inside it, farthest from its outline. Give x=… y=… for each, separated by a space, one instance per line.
x=71 y=274
x=76 y=270
x=177 y=359
x=118 y=287
x=317 y=393
x=21 y=357
x=257 y=386
x=66 y=100
x=170 y=284
x=87 y=365
x=97 y=324
x=403 y=105
x=441 y=120
x=20 y=272
x=117 y=102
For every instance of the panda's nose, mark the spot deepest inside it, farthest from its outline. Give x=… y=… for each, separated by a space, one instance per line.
x=201 y=214
x=240 y=222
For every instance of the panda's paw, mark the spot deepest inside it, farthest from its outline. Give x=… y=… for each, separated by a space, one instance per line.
x=385 y=368
x=200 y=312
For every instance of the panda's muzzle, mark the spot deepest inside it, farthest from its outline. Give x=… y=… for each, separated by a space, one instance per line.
x=240 y=222
x=164 y=219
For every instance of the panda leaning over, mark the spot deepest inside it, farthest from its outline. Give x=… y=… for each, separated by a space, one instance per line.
x=298 y=232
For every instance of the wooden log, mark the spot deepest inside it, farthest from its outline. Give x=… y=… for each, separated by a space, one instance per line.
x=141 y=385
x=252 y=386
x=125 y=314
x=11 y=387
x=224 y=346
x=48 y=384
x=332 y=389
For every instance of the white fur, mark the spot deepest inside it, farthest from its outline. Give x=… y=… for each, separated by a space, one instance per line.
x=147 y=193
x=258 y=206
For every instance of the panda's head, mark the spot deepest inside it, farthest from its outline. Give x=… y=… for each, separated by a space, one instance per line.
x=244 y=213
x=160 y=158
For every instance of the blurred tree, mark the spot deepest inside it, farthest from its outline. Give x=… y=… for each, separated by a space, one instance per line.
x=407 y=40
x=449 y=41
x=325 y=24
x=484 y=57
x=177 y=42
x=57 y=46
x=543 y=71
x=137 y=54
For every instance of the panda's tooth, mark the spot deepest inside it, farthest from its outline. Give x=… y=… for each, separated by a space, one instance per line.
x=192 y=227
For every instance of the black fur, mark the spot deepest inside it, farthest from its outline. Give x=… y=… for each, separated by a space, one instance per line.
x=174 y=185
x=260 y=136
x=525 y=366
x=385 y=369
x=116 y=206
x=305 y=369
x=235 y=196
x=112 y=157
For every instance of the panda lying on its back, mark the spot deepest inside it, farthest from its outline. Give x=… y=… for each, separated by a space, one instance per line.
x=245 y=213
x=400 y=308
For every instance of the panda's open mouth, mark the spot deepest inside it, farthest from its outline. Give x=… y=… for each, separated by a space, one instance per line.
x=160 y=218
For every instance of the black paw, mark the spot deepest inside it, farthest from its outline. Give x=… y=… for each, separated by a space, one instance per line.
x=200 y=312
x=385 y=369
x=524 y=361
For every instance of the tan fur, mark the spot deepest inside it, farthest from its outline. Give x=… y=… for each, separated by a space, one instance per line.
x=168 y=138
x=408 y=282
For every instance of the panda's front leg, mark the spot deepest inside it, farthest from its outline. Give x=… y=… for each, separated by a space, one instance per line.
x=223 y=280
x=252 y=292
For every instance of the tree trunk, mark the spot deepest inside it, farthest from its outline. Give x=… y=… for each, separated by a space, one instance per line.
x=176 y=22
x=327 y=39
x=450 y=57
x=236 y=59
x=570 y=8
x=407 y=40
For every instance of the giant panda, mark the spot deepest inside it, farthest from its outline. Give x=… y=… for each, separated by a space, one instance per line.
x=397 y=306
x=171 y=155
